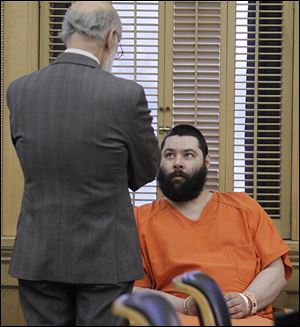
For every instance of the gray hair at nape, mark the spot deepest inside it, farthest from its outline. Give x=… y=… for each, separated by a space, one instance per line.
x=93 y=25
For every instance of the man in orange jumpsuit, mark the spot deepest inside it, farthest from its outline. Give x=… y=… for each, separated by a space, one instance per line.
x=226 y=235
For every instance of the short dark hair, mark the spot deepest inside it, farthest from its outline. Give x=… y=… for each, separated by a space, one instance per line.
x=187 y=130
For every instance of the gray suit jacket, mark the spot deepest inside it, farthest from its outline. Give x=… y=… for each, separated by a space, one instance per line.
x=83 y=136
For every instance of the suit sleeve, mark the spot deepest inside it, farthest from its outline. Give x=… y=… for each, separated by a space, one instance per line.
x=144 y=152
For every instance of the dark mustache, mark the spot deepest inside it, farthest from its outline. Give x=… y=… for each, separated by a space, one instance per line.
x=178 y=173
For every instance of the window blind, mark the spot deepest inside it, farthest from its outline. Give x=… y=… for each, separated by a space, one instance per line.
x=259 y=103
x=196 y=73
x=55 y=12
x=139 y=62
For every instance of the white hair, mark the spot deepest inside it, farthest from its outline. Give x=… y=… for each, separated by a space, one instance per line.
x=91 y=24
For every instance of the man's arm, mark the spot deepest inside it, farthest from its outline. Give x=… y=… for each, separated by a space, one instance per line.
x=265 y=288
x=143 y=149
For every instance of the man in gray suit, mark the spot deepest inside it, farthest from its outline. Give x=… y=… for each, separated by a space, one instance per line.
x=83 y=136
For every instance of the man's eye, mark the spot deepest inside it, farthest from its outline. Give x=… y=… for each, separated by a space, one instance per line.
x=189 y=155
x=169 y=155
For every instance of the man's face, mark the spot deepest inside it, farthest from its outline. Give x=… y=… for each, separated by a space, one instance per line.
x=183 y=169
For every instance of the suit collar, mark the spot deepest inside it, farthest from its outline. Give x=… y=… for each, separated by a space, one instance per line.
x=77 y=59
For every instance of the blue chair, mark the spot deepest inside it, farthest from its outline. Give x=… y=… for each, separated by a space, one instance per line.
x=210 y=303
x=146 y=309
x=286 y=319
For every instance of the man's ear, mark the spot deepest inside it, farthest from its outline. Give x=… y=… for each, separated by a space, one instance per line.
x=111 y=39
x=207 y=161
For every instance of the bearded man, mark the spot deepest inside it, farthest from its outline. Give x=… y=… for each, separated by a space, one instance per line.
x=226 y=235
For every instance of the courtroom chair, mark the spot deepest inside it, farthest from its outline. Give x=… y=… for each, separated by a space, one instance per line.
x=146 y=309
x=286 y=319
x=210 y=302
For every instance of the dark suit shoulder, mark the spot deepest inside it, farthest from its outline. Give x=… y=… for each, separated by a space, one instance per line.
x=16 y=88
x=24 y=78
x=123 y=83
x=119 y=90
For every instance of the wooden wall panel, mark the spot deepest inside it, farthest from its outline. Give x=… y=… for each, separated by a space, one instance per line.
x=19 y=56
x=21 y=31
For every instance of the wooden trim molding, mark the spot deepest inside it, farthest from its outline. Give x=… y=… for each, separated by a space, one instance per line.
x=2 y=101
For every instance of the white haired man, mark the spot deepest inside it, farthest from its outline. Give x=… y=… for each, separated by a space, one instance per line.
x=83 y=136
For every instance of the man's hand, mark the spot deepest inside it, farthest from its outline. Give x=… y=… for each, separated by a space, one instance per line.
x=237 y=306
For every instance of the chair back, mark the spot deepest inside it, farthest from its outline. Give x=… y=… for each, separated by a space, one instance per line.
x=287 y=319
x=146 y=309
x=210 y=302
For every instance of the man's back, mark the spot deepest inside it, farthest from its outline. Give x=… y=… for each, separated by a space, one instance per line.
x=79 y=146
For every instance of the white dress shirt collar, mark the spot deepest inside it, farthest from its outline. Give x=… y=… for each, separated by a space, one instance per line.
x=83 y=53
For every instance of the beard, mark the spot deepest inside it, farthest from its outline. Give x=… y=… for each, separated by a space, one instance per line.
x=182 y=191
x=108 y=64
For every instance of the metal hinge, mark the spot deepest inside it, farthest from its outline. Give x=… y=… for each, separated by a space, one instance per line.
x=165 y=129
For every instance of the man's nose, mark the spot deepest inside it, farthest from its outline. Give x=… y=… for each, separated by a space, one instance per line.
x=178 y=162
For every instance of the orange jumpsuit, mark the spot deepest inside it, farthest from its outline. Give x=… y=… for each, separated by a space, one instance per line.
x=232 y=241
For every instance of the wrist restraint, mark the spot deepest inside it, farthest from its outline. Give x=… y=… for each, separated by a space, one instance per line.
x=185 y=308
x=252 y=301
